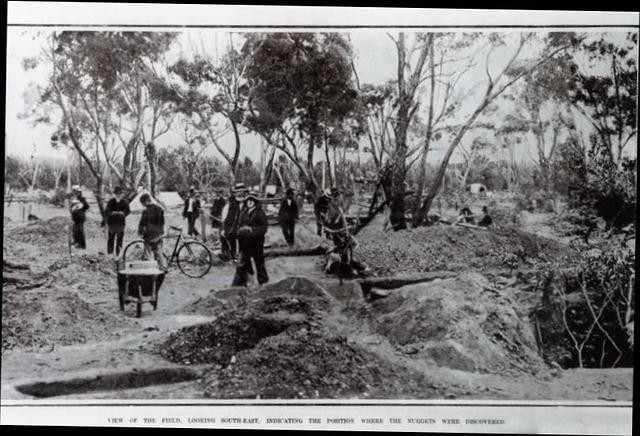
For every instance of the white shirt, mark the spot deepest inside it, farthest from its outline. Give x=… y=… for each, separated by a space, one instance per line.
x=190 y=204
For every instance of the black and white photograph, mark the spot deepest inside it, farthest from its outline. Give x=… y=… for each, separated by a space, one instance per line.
x=290 y=214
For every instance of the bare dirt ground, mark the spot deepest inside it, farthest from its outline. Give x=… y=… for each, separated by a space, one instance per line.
x=466 y=336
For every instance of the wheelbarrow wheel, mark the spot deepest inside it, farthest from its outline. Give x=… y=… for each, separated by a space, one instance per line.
x=194 y=259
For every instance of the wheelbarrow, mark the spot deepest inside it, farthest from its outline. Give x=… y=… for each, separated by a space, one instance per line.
x=139 y=283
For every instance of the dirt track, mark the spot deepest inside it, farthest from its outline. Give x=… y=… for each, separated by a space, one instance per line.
x=331 y=344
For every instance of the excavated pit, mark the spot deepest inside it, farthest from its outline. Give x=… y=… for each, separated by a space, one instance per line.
x=109 y=382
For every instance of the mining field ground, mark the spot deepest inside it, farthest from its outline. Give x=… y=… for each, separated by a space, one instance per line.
x=304 y=335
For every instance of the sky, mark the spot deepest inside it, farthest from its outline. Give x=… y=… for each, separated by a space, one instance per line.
x=374 y=57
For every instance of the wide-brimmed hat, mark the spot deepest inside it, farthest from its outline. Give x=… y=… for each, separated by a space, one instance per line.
x=239 y=187
x=252 y=194
x=117 y=190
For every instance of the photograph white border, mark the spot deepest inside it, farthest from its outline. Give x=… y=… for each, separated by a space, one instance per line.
x=576 y=417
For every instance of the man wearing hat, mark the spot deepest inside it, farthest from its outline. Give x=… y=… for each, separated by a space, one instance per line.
x=229 y=219
x=216 y=209
x=151 y=229
x=192 y=211
x=116 y=213
x=79 y=207
x=287 y=216
x=252 y=226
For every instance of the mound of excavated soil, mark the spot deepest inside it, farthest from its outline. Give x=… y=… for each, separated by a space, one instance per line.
x=451 y=248
x=314 y=364
x=463 y=323
x=52 y=233
x=293 y=339
x=305 y=236
x=46 y=317
x=289 y=304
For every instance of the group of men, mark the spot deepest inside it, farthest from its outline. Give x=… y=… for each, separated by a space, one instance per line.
x=467 y=217
x=150 y=228
x=241 y=221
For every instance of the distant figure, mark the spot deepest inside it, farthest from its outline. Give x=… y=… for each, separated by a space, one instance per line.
x=79 y=207
x=216 y=209
x=287 y=216
x=485 y=219
x=116 y=213
x=397 y=220
x=151 y=229
x=229 y=218
x=191 y=212
x=321 y=206
x=252 y=226
x=466 y=216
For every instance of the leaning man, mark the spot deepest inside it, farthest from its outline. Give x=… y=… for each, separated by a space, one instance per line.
x=151 y=229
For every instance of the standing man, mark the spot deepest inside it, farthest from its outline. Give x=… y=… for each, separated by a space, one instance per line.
x=288 y=215
x=79 y=207
x=252 y=226
x=151 y=229
x=229 y=218
x=116 y=213
x=216 y=209
x=192 y=211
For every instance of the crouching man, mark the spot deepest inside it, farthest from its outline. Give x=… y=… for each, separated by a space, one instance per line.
x=151 y=229
x=252 y=226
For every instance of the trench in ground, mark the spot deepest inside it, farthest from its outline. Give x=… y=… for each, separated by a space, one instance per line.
x=108 y=382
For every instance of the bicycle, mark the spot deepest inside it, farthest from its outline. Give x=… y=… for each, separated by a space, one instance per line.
x=194 y=259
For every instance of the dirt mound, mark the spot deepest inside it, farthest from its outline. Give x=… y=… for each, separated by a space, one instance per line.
x=314 y=364
x=305 y=236
x=290 y=304
x=451 y=248
x=46 y=317
x=86 y=263
x=52 y=233
x=463 y=323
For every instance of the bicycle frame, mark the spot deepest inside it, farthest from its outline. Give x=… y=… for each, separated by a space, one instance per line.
x=174 y=252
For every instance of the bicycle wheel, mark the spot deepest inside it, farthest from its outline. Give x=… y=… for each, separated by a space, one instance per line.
x=135 y=251
x=194 y=259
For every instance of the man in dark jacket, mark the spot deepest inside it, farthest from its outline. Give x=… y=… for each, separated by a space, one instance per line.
x=151 y=229
x=216 y=210
x=191 y=212
x=116 y=213
x=252 y=226
x=287 y=216
x=79 y=207
x=229 y=218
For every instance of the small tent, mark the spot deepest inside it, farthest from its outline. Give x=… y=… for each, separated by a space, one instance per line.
x=170 y=199
x=477 y=188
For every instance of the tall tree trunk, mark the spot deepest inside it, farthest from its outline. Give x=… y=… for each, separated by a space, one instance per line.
x=34 y=177
x=150 y=152
x=417 y=215
x=267 y=170
x=433 y=191
x=236 y=152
